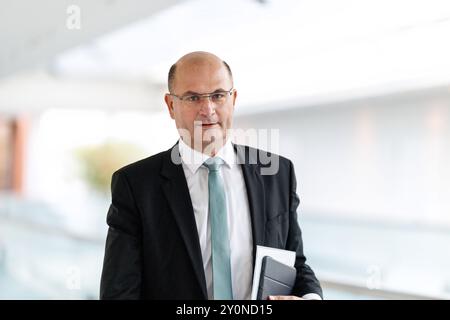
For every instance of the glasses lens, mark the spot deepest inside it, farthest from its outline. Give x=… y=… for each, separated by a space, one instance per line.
x=191 y=98
x=217 y=97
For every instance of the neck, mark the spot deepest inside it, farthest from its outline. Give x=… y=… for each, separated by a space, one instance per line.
x=208 y=148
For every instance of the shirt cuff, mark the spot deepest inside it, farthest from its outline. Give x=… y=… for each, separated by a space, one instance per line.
x=311 y=296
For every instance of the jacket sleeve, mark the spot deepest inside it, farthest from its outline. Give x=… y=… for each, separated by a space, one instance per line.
x=122 y=265
x=306 y=281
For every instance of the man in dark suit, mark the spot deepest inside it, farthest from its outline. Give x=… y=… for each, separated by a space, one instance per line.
x=184 y=223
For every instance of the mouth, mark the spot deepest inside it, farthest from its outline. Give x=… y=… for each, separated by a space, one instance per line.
x=209 y=125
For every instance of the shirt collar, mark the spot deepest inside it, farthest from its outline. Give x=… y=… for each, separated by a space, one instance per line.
x=194 y=159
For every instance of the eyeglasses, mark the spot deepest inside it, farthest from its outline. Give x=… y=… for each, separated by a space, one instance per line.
x=217 y=97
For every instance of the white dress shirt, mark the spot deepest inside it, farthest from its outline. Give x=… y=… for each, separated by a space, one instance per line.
x=238 y=214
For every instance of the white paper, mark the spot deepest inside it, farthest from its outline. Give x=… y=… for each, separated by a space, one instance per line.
x=284 y=256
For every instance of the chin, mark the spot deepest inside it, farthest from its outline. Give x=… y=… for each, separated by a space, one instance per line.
x=212 y=134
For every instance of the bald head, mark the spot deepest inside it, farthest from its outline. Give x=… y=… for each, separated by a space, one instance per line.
x=194 y=60
x=202 y=123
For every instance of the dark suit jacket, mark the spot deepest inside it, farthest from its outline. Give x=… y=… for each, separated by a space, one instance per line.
x=152 y=248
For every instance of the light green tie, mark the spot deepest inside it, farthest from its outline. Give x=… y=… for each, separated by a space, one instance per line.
x=220 y=245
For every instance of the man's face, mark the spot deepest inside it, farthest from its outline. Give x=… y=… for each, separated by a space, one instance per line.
x=204 y=122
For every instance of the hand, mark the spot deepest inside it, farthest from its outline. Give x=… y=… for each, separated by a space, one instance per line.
x=284 y=298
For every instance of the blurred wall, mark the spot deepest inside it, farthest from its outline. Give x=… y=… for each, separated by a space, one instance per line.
x=381 y=158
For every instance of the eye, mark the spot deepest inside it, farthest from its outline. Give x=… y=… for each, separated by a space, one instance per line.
x=218 y=96
x=193 y=98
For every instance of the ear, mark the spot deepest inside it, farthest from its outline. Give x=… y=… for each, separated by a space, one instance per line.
x=234 y=97
x=169 y=102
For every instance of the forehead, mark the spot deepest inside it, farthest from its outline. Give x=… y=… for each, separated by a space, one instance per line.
x=201 y=77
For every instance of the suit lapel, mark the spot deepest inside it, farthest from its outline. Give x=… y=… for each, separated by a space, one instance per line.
x=255 y=192
x=177 y=193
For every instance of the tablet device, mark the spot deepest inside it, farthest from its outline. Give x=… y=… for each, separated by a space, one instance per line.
x=276 y=278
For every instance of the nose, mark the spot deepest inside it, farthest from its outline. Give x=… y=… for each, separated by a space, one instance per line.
x=206 y=107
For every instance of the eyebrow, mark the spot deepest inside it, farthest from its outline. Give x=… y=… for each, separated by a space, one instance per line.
x=193 y=92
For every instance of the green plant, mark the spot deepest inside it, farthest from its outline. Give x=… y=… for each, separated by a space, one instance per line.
x=97 y=163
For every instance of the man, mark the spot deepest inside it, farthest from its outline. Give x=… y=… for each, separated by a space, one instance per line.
x=184 y=224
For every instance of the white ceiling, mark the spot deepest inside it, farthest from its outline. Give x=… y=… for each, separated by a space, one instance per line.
x=34 y=92
x=291 y=52
x=32 y=32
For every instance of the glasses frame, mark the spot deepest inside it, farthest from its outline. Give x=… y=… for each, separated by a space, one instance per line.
x=201 y=95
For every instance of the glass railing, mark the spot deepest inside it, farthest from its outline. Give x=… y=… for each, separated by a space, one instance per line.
x=376 y=258
x=41 y=258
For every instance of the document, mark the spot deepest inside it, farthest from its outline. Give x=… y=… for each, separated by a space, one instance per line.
x=284 y=256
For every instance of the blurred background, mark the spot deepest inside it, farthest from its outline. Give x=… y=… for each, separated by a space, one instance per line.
x=358 y=91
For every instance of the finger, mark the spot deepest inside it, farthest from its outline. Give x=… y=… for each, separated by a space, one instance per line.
x=284 y=298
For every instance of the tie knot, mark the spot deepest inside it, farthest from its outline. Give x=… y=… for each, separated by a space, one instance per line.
x=213 y=164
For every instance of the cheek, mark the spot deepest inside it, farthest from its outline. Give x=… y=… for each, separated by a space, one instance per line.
x=186 y=117
x=226 y=116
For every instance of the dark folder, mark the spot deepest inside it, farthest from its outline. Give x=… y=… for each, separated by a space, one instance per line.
x=276 y=278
